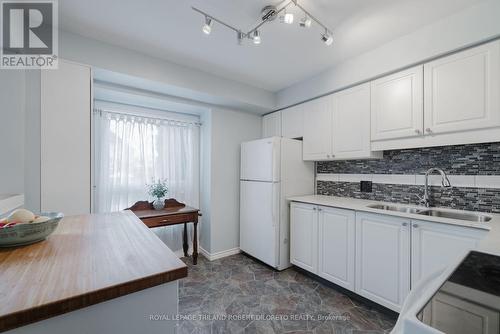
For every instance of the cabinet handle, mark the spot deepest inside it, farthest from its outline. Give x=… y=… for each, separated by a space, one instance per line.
x=405 y=224
x=333 y=155
x=314 y=209
x=328 y=155
x=417 y=131
x=428 y=130
x=415 y=225
x=320 y=209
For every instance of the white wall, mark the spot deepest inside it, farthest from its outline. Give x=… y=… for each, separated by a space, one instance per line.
x=222 y=173
x=12 y=132
x=178 y=80
x=205 y=179
x=470 y=26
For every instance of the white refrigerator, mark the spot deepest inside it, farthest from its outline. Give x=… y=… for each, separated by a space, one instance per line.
x=272 y=170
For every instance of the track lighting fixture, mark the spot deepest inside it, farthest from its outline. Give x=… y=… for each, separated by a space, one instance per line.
x=256 y=37
x=305 y=22
x=268 y=14
x=207 y=27
x=327 y=38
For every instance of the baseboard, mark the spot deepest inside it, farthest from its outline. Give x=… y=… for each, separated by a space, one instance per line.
x=219 y=255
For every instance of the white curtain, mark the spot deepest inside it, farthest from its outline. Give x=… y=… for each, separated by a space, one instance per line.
x=132 y=151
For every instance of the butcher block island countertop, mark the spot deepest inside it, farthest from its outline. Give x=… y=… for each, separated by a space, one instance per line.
x=89 y=259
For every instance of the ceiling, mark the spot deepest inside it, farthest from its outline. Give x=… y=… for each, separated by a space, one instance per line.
x=170 y=30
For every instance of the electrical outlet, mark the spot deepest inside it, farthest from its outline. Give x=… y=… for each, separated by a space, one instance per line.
x=366 y=186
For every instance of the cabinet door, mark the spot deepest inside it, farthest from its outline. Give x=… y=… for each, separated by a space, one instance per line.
x=462 y=91
x=304 y=236
x=292 y=124
x=351 y=123
x=397 y=105
x=435 y=246
x=337 y=246
x=271 y=125
x=65 y=166
x=383 y=259
x=317 y=141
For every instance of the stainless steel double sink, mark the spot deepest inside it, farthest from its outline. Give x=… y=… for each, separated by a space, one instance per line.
x=467 y=216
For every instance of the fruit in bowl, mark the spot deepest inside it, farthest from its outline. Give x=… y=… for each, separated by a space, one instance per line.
x=22 y=216
x=23 y=227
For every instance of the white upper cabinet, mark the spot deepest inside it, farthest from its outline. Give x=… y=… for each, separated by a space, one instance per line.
x=317 y=141
x=383 y=259
x=271 y=125
x=397 y=105
x=435 y=246
x=462 y=91
x=292 y=122
x=337 y=126
x=351 y=123
x=336 y=246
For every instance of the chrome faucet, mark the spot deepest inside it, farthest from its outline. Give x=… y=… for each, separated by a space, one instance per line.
x=445 y=183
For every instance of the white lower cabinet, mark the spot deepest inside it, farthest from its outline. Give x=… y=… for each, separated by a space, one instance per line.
x=383 y=259
x=378 y=256
x=336 y=246
x=304 y=236
x=434 y=246
x=322 y=242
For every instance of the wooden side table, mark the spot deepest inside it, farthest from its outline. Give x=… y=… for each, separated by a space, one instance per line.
x=173 y=213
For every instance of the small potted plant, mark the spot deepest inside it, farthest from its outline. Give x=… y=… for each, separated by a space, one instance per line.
x=159 y=191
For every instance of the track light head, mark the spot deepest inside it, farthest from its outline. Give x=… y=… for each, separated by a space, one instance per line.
x=256 y=37
x=207 y=27
x=306 y=22
x=287 y=18
x=327 y=38
x=239 y=36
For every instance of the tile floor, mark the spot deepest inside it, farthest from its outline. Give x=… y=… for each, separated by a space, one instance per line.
x=268 y=301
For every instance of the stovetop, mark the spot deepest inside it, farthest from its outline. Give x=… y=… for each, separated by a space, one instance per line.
x=479 y=271
x=469 y=301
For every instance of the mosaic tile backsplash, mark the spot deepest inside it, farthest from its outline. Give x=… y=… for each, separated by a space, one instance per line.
x=477 y=159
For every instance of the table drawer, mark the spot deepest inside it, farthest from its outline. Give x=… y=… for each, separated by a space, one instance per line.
x=168 y=220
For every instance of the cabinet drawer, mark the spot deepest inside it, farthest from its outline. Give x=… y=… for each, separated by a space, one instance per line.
x=168 y=220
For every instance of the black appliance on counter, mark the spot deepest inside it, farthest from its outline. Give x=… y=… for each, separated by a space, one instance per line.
x=469 y=301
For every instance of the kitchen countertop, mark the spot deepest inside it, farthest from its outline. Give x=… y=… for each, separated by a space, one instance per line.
x=88 y=259
x=491 y=243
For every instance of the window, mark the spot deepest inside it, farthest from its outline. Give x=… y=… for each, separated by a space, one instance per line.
x=133 y=150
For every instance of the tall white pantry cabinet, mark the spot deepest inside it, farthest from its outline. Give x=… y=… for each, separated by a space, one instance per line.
x=65 y=138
